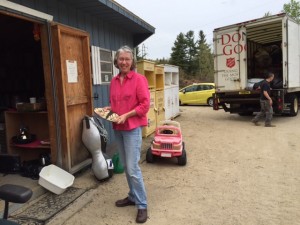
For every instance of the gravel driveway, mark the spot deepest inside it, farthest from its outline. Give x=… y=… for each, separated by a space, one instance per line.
x=236 y=174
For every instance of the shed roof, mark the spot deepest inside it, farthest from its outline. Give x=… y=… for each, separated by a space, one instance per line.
x=116 y=14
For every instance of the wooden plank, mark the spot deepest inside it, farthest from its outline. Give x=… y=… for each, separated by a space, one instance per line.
x=49 y=92
x=75 y=97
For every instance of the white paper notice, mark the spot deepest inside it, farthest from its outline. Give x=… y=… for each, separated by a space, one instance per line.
x=72 y=71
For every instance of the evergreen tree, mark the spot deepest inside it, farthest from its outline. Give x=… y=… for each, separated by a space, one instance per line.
x=191 y=54
x=205 y=58
x=193 y=57
x=162 y=61
x=178 y=55
x=184 y=53
x=292 y=9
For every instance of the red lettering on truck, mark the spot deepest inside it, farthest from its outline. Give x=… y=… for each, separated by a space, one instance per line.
x=231 y=43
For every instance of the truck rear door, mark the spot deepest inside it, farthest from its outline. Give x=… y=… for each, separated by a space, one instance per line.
x=230 y=59
x=292 y=49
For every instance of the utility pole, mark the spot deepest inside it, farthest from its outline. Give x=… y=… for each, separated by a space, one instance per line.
x=144 y=53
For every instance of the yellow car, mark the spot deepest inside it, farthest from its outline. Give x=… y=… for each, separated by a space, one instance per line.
x=197 y=94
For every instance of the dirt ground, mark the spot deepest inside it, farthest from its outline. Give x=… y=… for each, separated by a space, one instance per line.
x=237 y=174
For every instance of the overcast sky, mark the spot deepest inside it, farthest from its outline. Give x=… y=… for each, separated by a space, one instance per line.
x=170 y=17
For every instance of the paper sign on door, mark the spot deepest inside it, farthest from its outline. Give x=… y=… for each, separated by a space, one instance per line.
x=72 y=71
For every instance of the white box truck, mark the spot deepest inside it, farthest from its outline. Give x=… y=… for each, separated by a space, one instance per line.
x=245 y=52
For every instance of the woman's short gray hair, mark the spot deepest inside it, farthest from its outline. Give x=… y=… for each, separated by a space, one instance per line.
x=127 y=49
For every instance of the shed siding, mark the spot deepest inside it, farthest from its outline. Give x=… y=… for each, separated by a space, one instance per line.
x=102 y=34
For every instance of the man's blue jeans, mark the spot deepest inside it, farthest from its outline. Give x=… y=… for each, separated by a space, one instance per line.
x=129 y=145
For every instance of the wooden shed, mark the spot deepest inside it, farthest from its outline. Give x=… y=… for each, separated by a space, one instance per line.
x=61 y=53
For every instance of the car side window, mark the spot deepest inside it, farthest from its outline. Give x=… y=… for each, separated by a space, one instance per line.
x=199 y=87
x=190 y=89
x=211 y=87
x=207 y=87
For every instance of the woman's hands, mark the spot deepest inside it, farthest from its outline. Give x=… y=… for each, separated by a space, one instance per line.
x=121 y=119
x=107 y=108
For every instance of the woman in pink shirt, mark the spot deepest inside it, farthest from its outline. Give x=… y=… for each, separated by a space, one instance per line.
x=130 y=99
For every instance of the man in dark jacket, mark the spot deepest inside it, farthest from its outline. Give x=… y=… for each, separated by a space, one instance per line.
x=266 y=109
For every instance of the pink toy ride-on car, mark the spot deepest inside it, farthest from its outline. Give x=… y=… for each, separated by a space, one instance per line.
x=167 y=143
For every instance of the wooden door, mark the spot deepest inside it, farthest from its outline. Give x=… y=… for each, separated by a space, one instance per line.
x=72 y=71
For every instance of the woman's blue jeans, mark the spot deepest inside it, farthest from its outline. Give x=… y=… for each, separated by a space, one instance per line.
x=129 y=145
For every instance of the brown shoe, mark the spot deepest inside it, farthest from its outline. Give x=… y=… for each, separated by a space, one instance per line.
x=124 y=202
x=141 y=216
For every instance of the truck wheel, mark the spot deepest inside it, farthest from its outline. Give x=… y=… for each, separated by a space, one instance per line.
x=149 y=156
x=210 y=102
x=293 y=100
x=182 y=159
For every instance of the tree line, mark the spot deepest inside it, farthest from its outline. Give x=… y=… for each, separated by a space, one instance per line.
x=194 y=56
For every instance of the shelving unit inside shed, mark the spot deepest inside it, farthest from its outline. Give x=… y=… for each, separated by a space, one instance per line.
x=37 y=123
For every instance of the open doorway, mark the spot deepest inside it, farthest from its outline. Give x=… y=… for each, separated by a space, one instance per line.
x=54 y=69
x=21 y=78
x=21 y=67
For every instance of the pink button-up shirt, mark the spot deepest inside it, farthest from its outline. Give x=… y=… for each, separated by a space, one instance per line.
x=132 y=94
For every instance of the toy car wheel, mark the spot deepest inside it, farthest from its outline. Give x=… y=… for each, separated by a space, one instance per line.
x=182 y=159
x=149 y=156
